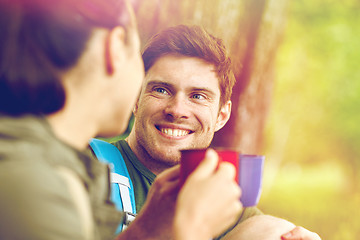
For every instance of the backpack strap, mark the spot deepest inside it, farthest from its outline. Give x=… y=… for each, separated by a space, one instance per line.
x=122 y=190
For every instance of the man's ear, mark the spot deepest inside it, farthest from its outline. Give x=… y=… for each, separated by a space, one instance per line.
x=136 y=107
x=114 y=48
x=224 y=115
x=141 y=92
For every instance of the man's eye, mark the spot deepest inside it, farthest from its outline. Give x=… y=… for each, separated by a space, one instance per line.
x=161 y=90
x=198 y=96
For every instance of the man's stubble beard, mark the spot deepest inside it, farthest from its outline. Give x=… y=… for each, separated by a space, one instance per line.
x=171 y=157
x=164 y=157
x=168 y=157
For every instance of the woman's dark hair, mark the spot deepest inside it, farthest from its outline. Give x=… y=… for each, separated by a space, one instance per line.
x=39 y=40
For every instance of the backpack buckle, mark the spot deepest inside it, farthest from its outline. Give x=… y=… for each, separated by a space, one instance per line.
x=129 y=217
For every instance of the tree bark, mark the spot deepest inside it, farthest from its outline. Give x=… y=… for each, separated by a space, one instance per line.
x=253 y=90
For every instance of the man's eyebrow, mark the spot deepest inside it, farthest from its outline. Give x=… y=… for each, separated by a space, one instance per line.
x=207 y=90
x=158 y=82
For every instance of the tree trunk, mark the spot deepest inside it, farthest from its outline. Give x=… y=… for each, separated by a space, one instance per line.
x=251 y=30
x=253 y=90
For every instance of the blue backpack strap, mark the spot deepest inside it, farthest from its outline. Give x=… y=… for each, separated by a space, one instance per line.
x=122 y=190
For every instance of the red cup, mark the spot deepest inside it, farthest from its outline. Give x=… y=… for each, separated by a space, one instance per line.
x=190 y=159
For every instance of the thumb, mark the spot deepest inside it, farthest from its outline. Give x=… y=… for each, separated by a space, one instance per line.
x=208 y=165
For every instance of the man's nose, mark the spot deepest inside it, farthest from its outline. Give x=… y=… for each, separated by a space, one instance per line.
x=177 y=107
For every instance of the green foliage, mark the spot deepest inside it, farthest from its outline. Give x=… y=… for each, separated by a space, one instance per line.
x=315 y=199
x=315 y=118
x=318 y=82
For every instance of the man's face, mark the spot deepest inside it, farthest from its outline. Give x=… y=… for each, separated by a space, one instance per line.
x=178 y=108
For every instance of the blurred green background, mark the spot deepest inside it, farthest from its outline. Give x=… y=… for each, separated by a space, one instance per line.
x=313 y=130
x=312 y=136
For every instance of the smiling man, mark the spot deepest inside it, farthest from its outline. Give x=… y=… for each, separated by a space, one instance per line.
x=184 y=100
x=181 y=101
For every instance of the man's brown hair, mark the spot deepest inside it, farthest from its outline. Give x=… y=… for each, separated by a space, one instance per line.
x=193 y=41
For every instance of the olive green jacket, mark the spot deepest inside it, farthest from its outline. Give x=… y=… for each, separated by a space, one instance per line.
x=49 y=190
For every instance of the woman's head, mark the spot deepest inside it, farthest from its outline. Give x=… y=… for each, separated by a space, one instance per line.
x=42 y=39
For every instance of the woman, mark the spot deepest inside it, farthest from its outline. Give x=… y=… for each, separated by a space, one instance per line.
x=69 y=71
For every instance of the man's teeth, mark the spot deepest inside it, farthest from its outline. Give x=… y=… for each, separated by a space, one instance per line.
x=174 y=132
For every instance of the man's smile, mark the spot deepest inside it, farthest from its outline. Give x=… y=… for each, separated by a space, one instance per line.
x=173 y=132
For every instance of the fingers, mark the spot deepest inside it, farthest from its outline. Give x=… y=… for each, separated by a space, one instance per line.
x=223 y=171
x=226 y=174
x=300 y=233
x=207 y=166
x=210 y=195
x=226 y=169
x=167 y=182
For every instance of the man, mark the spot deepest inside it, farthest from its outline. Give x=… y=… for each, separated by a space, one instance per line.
x=184 y=100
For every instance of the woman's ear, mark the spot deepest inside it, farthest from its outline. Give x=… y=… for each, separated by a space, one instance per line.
x=114 y=48
x=224 y=115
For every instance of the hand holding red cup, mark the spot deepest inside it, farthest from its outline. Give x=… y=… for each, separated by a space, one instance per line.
x=249 y=170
